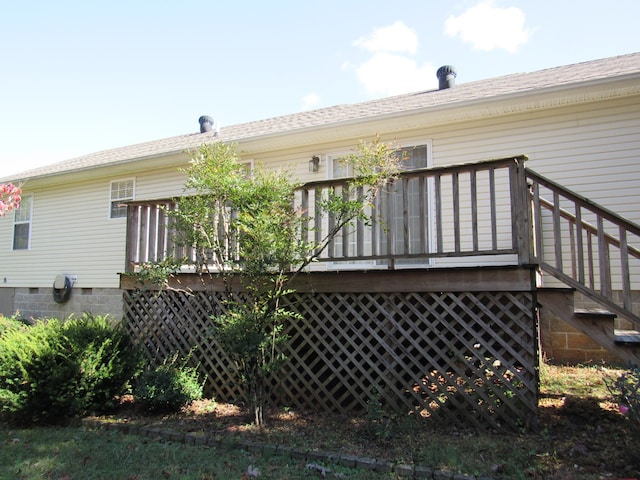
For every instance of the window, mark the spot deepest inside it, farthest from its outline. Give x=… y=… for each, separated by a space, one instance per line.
x=415 y=157
x=247 y=165
x=340 y=168
x=419 y=229
x=121 y=191
x=412 y=158
x=22 y=224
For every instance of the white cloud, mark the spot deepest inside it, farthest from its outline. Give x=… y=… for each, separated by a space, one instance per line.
x=389 y=74
x=310 y=101
x=391 y=70
x=394 y=38
x=488 y=27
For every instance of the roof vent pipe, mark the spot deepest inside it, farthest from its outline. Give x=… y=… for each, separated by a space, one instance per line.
x=446 y=77
x=206 y=123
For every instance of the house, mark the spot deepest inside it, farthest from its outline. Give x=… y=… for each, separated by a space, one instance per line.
x=578 y=126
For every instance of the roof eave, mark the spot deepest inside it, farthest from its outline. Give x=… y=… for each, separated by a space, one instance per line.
x=97 y=170
x=464 y=110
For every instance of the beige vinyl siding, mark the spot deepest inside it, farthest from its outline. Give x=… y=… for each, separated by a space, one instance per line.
x=165 y=183
x=592 y=149
x=73 y=234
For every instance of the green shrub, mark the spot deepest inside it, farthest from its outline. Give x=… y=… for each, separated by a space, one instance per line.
x=10 y=323
x=56 y=370
x=167 y=388
x=107 y=358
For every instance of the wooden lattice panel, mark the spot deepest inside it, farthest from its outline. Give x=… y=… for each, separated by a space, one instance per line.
x=465 y=358
x=171 y=323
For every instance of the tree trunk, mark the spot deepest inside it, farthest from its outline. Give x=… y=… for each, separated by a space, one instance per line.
x=256 y=396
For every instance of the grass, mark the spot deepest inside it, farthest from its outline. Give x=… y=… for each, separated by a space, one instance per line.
x=579 y=381
x=582 y=436
x=74 y=453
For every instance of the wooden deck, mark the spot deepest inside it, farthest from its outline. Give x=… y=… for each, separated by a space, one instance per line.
x=492 y=212
x=432 y=304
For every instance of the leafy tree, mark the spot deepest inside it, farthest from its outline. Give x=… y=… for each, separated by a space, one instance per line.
x=245 y=227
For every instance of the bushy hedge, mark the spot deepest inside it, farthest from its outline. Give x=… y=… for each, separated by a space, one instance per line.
x=10 y=323
x=54 y=370
x=167 y=388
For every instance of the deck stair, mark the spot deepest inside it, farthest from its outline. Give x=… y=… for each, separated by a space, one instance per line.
x=596 y=323
x=593 y=251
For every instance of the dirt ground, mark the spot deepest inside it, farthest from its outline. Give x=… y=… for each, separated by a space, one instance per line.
x=577 y=438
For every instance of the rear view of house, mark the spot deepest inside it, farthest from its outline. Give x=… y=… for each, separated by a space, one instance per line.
x=528 y=180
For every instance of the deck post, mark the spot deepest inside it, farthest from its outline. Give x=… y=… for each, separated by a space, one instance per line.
x=131 y=250
x=521 y=212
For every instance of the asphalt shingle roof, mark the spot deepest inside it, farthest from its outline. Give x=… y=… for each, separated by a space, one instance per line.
x=464 y=92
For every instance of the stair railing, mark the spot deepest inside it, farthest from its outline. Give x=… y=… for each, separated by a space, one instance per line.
x=585 y=246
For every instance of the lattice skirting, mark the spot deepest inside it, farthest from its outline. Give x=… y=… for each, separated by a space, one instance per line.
x=463 y=358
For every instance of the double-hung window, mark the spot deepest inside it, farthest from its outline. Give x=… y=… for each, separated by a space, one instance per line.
x=22 y=224
x=121 y=191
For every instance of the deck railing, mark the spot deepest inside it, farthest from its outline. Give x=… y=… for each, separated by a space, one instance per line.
x=454 y=212
x=446 y=212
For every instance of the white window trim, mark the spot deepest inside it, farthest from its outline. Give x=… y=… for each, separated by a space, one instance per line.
x=331 y=159
x=419 y=143
x=29 y=221
x=251 y=162
x=111 y=199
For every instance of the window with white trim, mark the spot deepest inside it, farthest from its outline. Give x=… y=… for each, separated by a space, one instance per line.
x=22 y=224
x=121 y=191
x=247 y=165
x=340 y=168
x=413 y=157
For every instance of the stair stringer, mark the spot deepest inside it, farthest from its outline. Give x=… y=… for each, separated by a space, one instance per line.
x=597 y=324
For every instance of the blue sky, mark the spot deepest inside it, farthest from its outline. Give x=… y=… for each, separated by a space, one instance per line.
x=82 y=76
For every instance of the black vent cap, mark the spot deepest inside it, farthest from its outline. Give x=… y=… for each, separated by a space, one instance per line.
x=446 y=76
x=206 y=123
